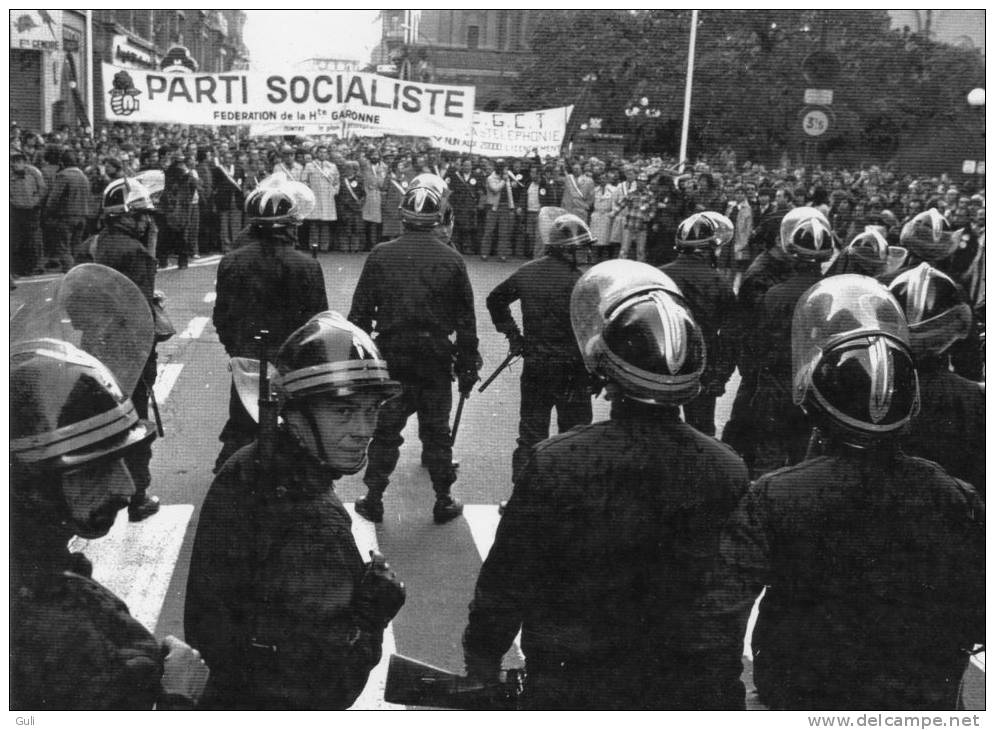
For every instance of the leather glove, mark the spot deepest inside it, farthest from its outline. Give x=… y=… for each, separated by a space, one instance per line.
x=467 y=379
x=516 y=343
x=380 y=594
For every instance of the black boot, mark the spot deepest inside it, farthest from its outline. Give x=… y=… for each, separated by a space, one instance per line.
x=370 y=507
x=446 y=508
x=142 y=506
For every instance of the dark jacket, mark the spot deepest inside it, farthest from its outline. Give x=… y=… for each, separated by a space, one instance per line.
x=73 y=644
x=543 y=287
x=621 y=520
x=69 y=195
x=350 y=204
x=874 y=568
x=117 y=249
x=228 y=190
x=713 y=305
x=950 y=427
x=269 y=595
x=265 y=284
x=463 y=197
x=416 y=289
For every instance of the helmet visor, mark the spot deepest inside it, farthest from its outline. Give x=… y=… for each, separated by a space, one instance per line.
x=868 y=384
x=100 y=311
x=837 y=309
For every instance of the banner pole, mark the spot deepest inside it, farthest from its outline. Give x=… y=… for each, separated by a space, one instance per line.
x=687 y=93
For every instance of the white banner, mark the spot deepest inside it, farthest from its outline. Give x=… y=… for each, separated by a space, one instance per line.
x=500 y=134
x=376 y=104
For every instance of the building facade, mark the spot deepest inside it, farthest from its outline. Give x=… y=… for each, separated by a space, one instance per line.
x=481 y=48
x=964 y=28
x=56 y=55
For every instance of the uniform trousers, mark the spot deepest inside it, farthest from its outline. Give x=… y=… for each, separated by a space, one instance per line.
x=431 y=399
x=543 y=389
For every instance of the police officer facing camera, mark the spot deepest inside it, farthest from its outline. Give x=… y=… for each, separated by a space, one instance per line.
x=74 y=645
x=622 y=516
x=872 y=560
x=278 y=597
x=554 y=375
x=414 y=292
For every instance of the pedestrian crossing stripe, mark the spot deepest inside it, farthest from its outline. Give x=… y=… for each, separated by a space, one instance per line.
x=166 y=376
x=194 y=329
x=135 y=561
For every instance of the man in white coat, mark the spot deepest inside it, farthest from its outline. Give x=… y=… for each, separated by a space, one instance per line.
x=322 y=176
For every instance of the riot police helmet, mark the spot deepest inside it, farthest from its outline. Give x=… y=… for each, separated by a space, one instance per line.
x=126 y=196
x=935 y=307
x=635 y=330
x=279 y=202
x=806 y=235
x=67 y=408
x=930 y=236
x=852 y=367
x=425 y=203
x=568 y=233
x=703 y=230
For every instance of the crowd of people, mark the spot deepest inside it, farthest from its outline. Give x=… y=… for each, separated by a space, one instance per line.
x=631 y=550
x=633 y=204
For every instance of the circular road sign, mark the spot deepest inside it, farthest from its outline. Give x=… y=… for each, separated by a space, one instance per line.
x=815 y=122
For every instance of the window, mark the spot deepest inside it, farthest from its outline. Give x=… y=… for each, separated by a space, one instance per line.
x=502 y=29
x=472 y=36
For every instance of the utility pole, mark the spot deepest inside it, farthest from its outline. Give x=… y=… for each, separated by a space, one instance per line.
x=687 y=93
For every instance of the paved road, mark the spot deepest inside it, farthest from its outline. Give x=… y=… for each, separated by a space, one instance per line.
x=147 y=563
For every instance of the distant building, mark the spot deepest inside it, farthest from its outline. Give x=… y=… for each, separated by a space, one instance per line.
x=964 y=28
x=55 y=54
x=482 y=48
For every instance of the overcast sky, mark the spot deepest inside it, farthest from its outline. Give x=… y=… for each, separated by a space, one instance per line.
x=281 y=38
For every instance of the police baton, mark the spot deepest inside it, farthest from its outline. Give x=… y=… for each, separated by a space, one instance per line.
x=459 y=415
x=155 y=410
x=500 y=368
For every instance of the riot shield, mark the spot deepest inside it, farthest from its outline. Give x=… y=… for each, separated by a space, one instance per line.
x=98 y=310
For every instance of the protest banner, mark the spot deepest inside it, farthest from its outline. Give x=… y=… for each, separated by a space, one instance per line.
x=376 y=105
x=499 y=134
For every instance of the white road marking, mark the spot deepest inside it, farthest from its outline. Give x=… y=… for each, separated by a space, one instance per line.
x=210 y=297
x=203 y=261
x=365 y=534
x=165 y=380
x=136 y=561
x=483 y=520
x=195 y=328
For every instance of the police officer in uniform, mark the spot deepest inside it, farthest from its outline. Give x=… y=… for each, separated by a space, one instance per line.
x=930 y=238
x=278 y=597
x=416 y=289
x=780 y=432
x=265 y=284
x=873 y=561
x=618 y=522
x=73 y=644
x=554 y=375
x=127 y=209
x=713 y=304
x=950 y=428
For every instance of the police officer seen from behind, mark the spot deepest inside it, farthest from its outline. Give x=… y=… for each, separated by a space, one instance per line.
x=265 y=284
x=713 y=305
x=127 y=209
x=618 y=521
x=415 y=288
x=73 y=643
x=950 y=428
x=554 y=375
x=873 y=561
x=781 y=434
x=278 y=597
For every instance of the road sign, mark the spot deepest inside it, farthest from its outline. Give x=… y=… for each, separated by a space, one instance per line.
x=821 y=97
x=815 y=122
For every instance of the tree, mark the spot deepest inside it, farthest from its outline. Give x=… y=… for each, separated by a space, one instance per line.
x=748 y=82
